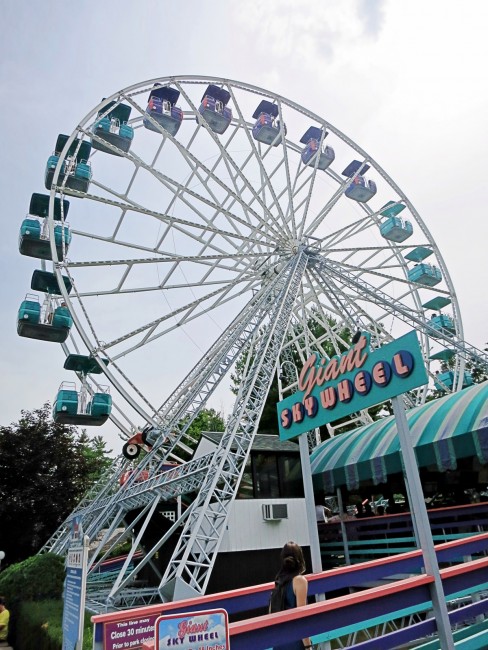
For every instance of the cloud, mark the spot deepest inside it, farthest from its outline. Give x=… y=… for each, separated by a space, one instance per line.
x=372 y=16
x=310 y=32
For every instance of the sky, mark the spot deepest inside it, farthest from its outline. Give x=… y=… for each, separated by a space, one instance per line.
x=405 y=81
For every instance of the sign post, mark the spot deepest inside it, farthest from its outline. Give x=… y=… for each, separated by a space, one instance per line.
x=313 y=533
x=75 y=589
x=329 y=389
x=422 y=525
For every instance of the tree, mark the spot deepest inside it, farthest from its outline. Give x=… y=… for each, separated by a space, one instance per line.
x=206 y=420
x=45 y=468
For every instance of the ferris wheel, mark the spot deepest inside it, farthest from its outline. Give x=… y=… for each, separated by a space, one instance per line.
x=197 y=193
x=210 y=218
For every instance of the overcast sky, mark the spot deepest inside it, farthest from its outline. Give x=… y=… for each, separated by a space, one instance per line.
x=404 y=80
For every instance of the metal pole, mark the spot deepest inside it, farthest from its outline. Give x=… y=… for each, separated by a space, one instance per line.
x=345 y=542
x=422 y=525
x=313 y=532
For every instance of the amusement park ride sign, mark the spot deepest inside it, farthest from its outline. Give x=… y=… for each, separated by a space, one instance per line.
x=329 y=389
x=206 y=630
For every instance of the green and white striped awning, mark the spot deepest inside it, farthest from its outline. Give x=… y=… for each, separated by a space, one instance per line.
x=455 y=426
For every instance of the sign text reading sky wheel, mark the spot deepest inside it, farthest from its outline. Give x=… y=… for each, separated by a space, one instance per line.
x=329 y=389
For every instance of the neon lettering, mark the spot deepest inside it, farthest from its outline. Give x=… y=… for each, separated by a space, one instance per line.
x=345 y=390
x=285 y=418
x=363 y=382
x=381 y=373
x=328 y=397
x=403 y=363
x=306 y=380
x=298 y=412
x=311 y=406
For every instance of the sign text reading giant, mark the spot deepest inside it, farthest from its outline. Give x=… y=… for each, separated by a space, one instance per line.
x=329 y=389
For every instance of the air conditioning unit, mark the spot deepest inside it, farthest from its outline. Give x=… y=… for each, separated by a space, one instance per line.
x=275 y=511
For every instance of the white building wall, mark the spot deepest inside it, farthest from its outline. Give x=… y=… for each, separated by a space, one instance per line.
x=248 y=531
x=204 y=447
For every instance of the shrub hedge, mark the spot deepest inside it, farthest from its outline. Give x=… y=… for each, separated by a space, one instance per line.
x=33 y=590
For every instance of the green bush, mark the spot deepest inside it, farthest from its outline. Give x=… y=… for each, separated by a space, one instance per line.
x=38 y=578
x=40 y=626
x=33 y=589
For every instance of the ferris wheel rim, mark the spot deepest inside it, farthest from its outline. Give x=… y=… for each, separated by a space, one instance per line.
x=265 y=93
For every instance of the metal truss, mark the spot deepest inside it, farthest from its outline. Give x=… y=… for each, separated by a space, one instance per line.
x=325 y=267
x=190 y=568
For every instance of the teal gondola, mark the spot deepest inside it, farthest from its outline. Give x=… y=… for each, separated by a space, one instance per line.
x=112 y=128
x=34 y=231
x=77 y=408
x=443 y=323
x=447 y=379
x=426 y=274
x=75 y=170
x=53 y=323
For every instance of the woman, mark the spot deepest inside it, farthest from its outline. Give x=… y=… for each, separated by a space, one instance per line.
x=290 y=575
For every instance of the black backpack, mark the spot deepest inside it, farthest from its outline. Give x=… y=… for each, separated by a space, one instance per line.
x=278 y=597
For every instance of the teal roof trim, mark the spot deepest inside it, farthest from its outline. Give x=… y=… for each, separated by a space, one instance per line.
x=454 y=426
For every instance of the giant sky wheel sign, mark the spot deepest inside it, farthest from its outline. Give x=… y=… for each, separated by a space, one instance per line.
x=209 y=217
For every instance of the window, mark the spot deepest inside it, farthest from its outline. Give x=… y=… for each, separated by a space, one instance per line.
x=271 y=476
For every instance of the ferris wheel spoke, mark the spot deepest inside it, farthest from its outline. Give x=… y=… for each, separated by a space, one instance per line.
x=238 y=257
x=306 y=199
x=290 y=211
x=184 y=191
x=172 y=184
x=258 y=158
x=356 y=315
x=195 y=164
x=235 y=196
x=186 y=227
x=269 y=222
x=324 y=212
x=119 y=289
x=346 y=233
x=311 y=181
x=167 y=257
x=370 y=293
x=173 y=314
x=358 y=271
x=344 y=306
x=185 y=318
x=343 y=184
x=366 y=257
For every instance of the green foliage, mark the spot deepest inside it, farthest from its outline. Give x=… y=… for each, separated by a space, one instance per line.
x=40 y=626
x=37 y=578
x=95 y=454
x=206 y=420
x=45 y=468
